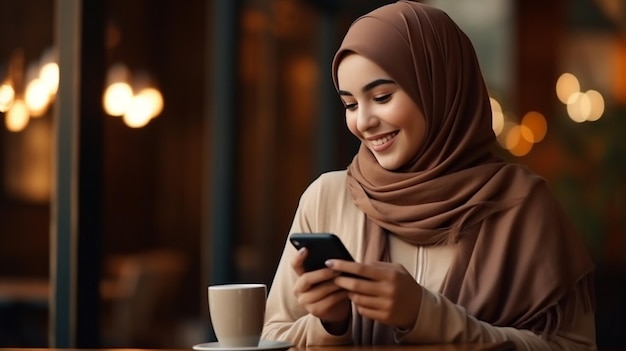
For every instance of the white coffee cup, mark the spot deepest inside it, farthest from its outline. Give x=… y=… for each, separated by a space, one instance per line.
x=237 y=312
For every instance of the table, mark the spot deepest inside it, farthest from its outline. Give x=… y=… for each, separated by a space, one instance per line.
x=501 y=346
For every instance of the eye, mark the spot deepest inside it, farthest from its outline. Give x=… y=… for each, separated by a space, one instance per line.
x=382 y=98
x=350 y=106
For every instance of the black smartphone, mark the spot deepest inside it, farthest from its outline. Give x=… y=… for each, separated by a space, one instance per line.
x=321 y=247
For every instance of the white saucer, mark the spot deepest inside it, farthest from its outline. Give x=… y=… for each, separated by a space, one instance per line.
x=263 y=345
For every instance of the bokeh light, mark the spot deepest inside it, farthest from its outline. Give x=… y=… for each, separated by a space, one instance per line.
x=566 y=85
x=7 y=94
x=536 y=123
x=597 y=105
x=497 y=116
x=49 y=76
x=37 y=97
x=154 y=99
x=516 y=143
x=17 y=118
x=139 y=112
x=117 y=98
x=578 y=107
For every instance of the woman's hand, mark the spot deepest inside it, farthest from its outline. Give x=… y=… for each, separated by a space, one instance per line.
x=386 y=292
x=320 y=296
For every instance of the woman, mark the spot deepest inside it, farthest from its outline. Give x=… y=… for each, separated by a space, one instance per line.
x=454 y=244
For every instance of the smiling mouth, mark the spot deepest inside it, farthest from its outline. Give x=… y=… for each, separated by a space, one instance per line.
x=383 y=140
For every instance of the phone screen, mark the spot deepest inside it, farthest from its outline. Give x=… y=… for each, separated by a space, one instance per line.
x=321 y=247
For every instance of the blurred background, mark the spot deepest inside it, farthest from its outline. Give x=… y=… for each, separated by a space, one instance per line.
x=199 y=123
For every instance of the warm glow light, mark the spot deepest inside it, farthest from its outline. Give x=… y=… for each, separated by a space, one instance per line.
x=508 y=124
x=516 y=143
x=497 y=117
x=566 y=85
x=495 y=105
x=537 y=124
x=7 y=94
x=17 y=117
x=153 y=99
x=513 y=136
x=139 y=112
x=120 y=99
x=117 y=98
x=49 y=76
x=522 y=148
x=579 y=107
x=527 y=133
x=597 y=105
x=37 y=98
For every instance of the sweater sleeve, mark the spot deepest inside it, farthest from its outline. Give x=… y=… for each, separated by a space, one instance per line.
x=285 y=319
x=442 y=321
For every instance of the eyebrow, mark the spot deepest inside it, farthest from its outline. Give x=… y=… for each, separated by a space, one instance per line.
x=370 y=86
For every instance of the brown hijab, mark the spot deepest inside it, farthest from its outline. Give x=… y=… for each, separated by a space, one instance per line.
x=518 y=261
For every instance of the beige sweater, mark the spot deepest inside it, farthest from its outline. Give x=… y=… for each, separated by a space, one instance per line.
x=326 y=206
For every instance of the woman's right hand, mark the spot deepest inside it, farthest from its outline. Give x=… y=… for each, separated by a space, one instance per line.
x=318 y=294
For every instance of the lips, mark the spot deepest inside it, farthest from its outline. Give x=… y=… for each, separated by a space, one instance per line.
x=380 y=141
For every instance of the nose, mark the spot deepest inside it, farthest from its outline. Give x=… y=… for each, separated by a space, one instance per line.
x=365 y=120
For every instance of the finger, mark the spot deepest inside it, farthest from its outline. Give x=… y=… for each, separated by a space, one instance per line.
x=297 y=263
x=324 y=306
x=371 y=302
x=367 y=271
x=308 y=280
x=376 y=271
x=374 y=314
x=320 y=292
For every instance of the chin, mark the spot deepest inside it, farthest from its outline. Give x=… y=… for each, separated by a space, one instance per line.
x=390 y=166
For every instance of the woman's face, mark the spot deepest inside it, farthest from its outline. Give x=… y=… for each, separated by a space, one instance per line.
x=379 y=112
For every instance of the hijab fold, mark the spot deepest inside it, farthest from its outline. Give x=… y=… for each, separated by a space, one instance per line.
x=506 y=227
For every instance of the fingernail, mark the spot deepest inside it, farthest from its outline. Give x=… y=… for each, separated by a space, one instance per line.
x=302 y=251
x=329 y=263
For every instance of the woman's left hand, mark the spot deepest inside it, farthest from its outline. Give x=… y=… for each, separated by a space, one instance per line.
x=384 y=291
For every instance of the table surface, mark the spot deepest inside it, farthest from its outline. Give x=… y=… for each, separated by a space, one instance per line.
x=504 y=346
x=501 y=346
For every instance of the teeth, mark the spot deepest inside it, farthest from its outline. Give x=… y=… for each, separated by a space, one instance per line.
x=384 y=139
